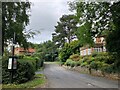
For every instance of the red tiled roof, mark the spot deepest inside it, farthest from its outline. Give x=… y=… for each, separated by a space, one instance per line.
x=31 y=50
x=23 y=50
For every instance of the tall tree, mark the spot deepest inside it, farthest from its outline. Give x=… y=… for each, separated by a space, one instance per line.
x=47 y=51
x=15 y=16
x=113 y=38
x=102 y=17
x=94 y=18
x=65 y=29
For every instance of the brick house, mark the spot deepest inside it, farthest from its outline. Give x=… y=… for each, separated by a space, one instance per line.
x=22 y=51
x=98 y=47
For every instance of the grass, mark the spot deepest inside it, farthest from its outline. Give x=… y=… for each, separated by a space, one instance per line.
x=38 y=81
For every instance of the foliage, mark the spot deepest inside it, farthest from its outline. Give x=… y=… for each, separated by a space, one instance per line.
x=65 y=53
x=75 y=46
x=25 y=71
x=70 y=62
x=91 y=17
x=75 y=57
x=69 y=49
x=84 y=64
x=99 y=18
x=47 y=51
x=102 y=61
x=84 y=35
x=64 y=31
x=14 y=19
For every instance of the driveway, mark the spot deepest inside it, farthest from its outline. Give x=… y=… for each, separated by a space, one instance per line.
x=59 y=77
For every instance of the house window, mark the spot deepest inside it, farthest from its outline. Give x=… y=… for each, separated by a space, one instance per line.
x=89 y=51
x=84 y=52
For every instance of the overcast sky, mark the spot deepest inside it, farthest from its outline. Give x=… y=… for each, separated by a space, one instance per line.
x=44 y=16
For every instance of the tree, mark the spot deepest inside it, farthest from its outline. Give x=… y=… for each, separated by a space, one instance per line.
x=65 y=30
x=69 y=49
x=102 y=17
x=47 y=51
x=93 y=19
x=113 y=38
x=15 y=16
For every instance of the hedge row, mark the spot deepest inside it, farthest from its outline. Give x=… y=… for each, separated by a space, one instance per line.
x=25 y=70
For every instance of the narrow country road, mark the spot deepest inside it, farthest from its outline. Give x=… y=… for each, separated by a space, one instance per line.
x=59 y=77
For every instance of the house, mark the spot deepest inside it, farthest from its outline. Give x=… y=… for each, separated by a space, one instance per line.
x=22 y=51
x=98 y=47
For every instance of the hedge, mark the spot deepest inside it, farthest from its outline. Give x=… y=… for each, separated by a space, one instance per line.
x=25 y=71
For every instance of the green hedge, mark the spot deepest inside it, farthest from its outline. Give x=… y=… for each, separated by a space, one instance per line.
x=35 y=61
x=25 y=71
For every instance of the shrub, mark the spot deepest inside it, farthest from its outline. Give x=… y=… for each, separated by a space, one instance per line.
x=102 y=61
x=73 y=63
x=94 y=65
x=85 y=59
x=21 y=56
x=77 y=63
x=25 y=71
x=84 y=64
x=75 y=57
x=108 y=68
x=65 y=53
x=94 y=54
x=69 y=49
x=90 y=59
x=68 y=62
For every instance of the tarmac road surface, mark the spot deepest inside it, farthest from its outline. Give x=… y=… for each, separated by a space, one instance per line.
x=59 y=77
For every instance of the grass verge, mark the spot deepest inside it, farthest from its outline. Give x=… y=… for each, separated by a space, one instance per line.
x=38 y=80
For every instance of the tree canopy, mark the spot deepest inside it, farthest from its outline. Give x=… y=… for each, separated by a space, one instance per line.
x=65 y=30
x=15 y=18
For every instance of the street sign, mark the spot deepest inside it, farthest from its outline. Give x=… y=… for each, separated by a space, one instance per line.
x=15 y=63
x=10 y=63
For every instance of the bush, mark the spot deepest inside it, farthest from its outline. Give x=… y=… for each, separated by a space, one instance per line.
x=78 y=63
x=68 y=62
x=25 y=71
x=69 y=49
x=107 y=68
x=84 y=64
x=41 y=63
x=65 y=53
x=94 y=65
x=75 y=57
x=102 y=61
x=85 y=59
x=73 y=63
x=21 y=56
x=94 y=54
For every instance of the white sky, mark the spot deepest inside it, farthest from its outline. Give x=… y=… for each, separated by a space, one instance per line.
x=44 y=16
